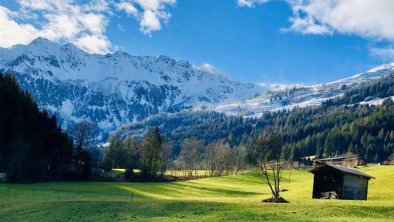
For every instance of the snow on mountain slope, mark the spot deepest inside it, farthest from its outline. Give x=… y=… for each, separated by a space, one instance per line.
x=290 y=96
x=376 y=101
x=114 y=89
x=117 y=89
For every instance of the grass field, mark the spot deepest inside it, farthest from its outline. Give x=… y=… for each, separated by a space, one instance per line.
x=230 y=198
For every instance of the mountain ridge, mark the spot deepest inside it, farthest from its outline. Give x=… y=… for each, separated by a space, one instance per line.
x=114 y=89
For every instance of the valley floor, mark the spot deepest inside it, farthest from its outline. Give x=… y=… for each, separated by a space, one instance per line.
x=230 y=198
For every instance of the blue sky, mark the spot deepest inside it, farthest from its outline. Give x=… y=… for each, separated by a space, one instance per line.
x=249 y=40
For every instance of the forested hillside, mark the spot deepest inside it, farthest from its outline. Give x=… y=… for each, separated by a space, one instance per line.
x=381 y=88
x=32 y=146
x=364 y=130
x=207 y=127
x=335 y=128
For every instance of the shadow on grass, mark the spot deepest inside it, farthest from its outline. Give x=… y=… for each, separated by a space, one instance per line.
x=227 y=192
x=188 y=211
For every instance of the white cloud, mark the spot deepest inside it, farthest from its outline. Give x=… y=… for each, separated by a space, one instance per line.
x=42 y=5
x=127 y=7
x=92 y=43
x=57 y=20
x=366 y=18
x=250 y=3
x=151 y=21
x=81 y=24
x=98 y=6
x=373 y=20
x=12 y=32
x=387 y=54
x=150 y=13
x=307 y=26
x=370 y=19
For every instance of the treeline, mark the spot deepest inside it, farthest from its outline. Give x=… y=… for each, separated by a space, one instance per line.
x=335 y=128
x=215 y=159
x=32 y=145
x=153 y=157
x=207 y=127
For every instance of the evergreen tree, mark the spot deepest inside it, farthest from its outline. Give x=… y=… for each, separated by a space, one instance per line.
x=151 y=152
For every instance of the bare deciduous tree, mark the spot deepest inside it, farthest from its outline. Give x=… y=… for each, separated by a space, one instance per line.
x=165 y=159
x=218 y=159
x=240 y=161
x=84 y=133
x=210 y=159
x=272 y=158
x=224 y=159
x=190 y=155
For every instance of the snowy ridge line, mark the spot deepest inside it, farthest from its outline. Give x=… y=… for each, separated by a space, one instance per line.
x=298 y=95
x=114 y=89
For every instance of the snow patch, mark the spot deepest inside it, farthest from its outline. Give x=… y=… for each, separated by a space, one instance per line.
x=67 y=108
x=376 y=102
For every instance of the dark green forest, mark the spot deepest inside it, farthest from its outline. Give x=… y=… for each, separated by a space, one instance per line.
x=337 y=127
x=32 y=146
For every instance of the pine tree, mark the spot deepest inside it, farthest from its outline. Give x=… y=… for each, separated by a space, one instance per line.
x=151 y=153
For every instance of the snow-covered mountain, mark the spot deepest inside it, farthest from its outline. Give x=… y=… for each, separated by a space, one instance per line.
x=289 y=96
x=114 y=89
x=117 y=89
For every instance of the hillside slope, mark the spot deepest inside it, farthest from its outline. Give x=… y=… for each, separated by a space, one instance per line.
x=334 y=128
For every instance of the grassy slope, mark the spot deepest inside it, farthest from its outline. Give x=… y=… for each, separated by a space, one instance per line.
x=231 y=198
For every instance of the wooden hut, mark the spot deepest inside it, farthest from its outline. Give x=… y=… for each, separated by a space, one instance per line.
x=338 y=182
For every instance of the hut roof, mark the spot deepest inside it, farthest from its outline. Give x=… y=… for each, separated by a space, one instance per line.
x=340 y=158
x=342 y=169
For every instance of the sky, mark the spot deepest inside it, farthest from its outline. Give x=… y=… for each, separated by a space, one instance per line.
x=272 y=41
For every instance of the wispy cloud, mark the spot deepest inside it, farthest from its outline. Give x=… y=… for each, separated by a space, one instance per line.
x=250 y=3
x=208 y=68
x=150 y=13
x=386 y=54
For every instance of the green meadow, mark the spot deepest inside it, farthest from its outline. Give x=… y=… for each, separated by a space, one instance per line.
x=227 y=198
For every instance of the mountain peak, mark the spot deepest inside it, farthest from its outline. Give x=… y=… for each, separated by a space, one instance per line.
x=43 y=46
x=40 y=40
x=120 y=54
